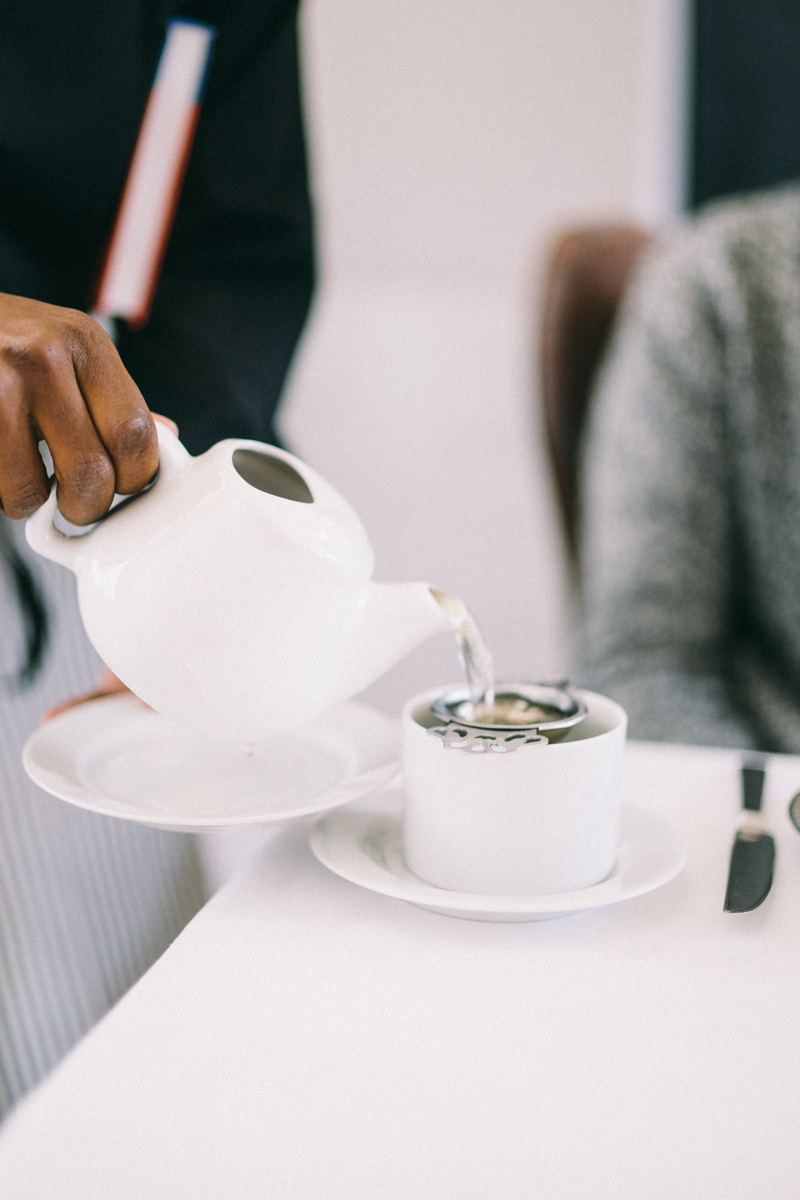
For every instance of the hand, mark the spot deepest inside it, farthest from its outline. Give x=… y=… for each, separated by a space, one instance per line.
x=62 y=380
x=108 y=685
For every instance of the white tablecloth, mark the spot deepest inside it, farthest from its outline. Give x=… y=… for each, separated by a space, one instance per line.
x=304 y=1039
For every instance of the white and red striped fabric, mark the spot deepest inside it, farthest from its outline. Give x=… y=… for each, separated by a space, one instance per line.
x=155 y=176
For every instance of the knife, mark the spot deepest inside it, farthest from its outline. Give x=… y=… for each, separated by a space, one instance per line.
x=753 y=853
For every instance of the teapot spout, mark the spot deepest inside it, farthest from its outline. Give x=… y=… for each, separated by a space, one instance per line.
x=397 y=617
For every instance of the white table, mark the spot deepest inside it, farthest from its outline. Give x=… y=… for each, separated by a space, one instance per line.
x=308 y=1040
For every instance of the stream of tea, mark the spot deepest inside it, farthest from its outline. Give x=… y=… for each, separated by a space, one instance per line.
x=476 y=661
x=484 y=704
x=509 y=707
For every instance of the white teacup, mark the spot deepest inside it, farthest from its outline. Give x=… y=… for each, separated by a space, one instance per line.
x=541 y=819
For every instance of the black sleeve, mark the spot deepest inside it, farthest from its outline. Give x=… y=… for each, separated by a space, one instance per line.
x=238 y=273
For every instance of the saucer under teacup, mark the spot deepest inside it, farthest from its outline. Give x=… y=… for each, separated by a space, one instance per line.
x=366 y=848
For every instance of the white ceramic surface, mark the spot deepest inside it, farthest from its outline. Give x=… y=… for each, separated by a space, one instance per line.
x=117 y=757
x=541 y=819
x=234 y=597
x=367 y=849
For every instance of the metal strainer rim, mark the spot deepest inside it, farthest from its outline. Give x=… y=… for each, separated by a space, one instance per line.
x=559 y=696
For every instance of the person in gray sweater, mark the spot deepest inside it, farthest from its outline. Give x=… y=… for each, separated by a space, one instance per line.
x=690 y=555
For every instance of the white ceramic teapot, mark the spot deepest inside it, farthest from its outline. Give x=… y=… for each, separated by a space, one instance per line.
x=235 y=597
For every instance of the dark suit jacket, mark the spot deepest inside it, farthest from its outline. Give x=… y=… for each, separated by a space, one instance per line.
x=237 y=277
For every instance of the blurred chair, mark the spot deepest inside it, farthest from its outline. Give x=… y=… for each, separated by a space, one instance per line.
x=587 y=272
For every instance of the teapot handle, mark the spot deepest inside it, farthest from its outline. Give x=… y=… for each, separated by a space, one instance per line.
x=46 y=540
x=173 y=455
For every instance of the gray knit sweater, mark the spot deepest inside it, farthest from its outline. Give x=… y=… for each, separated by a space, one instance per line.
x=691 y=491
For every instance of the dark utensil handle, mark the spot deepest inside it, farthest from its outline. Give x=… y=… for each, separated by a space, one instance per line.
x=750 y=874
x=752 y=787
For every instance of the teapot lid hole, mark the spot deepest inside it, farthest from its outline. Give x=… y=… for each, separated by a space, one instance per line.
x=271 y=475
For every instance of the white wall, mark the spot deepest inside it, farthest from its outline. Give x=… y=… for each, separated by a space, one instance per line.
x=449 y=140
x=448 y=135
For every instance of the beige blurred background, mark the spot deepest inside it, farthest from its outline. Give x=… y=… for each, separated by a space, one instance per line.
x=449 y=141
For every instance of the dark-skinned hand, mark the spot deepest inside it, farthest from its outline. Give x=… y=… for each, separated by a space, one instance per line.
x=62 y=380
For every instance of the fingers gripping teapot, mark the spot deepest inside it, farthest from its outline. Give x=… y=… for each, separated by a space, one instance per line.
x=235 y=597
